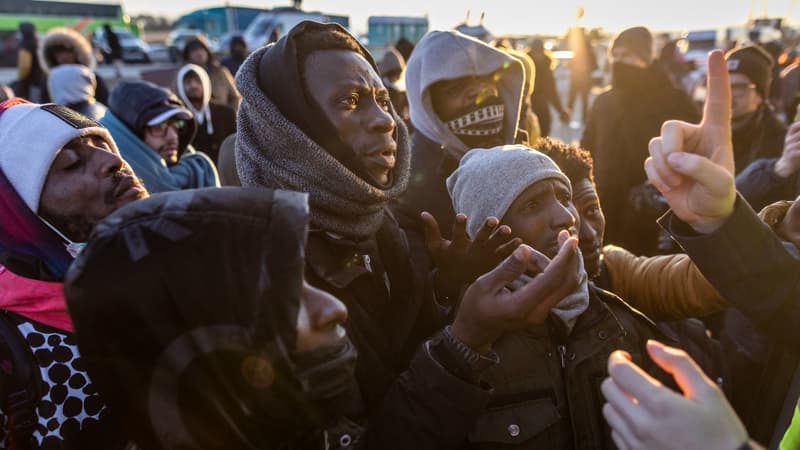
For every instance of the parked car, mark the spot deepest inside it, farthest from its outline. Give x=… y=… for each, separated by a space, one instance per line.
x=177 y=40
x=133 y=48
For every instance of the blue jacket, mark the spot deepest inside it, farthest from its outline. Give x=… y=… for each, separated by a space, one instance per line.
x=193 y=170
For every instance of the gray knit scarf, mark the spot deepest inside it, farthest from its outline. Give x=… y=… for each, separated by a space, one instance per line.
x=273 y=152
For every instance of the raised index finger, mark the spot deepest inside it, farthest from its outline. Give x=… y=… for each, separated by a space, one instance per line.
x=717 y=110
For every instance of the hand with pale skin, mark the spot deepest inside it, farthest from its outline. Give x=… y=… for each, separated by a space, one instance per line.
x=489 y=309
x=462 y=260
x=692 y=165
x=789 y=162
x=644 y=414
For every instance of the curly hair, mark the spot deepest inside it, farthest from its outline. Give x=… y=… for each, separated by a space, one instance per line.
x=575 y=162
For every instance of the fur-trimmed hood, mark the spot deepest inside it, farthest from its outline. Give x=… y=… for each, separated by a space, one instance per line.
x=66 y=37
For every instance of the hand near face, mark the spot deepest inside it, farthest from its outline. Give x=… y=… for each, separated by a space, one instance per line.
x=789 y=162
x=489 y=309
x=462 y=260
x=692 y=165
x=643 y=414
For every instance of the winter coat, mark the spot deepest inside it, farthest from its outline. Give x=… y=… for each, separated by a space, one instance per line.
x=215 y=121
x=664 y=287
x=744 y=260
x=750 y=267
x=760 y=185
x=68 y=412
x=761 y=138
x=84 y=54
x=543 y=393
x=355 y=250
x=618 y=130
x=193 y=169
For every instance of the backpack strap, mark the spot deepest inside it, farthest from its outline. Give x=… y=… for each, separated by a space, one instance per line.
x=19 y=384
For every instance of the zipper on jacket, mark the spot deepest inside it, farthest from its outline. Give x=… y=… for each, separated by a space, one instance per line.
x=368 y=263
x=562 y=353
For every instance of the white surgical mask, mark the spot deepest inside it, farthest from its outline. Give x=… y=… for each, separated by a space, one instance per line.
x=73 y=248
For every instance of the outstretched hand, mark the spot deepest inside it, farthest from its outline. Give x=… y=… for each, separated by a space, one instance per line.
x=462 y=259
x=489 y=309
x=692 y=165
x=643 y=414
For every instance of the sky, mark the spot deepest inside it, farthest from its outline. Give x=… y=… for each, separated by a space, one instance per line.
x=519 y=16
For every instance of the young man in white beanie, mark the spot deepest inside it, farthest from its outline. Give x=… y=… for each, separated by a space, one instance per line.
x=60 y=174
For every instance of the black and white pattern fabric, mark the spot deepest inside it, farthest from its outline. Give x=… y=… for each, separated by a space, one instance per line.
x=69 y=402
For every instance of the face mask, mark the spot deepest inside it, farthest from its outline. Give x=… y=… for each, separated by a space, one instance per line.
x=73 y=248
x=478 y=124
x=626 y=76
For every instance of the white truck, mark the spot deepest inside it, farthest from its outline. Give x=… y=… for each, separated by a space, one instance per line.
x=276 y=22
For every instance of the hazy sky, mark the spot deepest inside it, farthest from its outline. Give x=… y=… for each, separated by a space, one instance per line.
x=518 y=16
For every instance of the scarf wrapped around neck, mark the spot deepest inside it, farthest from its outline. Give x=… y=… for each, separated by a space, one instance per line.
x=273 y=152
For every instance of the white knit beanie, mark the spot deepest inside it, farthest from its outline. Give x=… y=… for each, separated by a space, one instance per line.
x=488 y=181
x=31 y=136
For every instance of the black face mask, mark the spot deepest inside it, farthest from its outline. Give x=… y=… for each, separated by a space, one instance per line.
x=629 y=78
x=479 y=125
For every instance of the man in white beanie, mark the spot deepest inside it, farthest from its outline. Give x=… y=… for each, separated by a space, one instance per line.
x=546 y=386
x=60 y=174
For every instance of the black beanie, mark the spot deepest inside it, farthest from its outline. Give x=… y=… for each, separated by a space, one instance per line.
x=753 y=62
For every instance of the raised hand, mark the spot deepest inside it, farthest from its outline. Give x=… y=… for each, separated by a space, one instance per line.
x=692 y=165
x=462 y=260
x=643 y=414
x=789 y=162
x=489 y=309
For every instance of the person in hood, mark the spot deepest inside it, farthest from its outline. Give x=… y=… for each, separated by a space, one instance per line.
x=73 y=86
x=215 y=122
x=154 y=132
x=63 y=45
x=462 y=94
x=392 y=67
x=757 y=131
x=238 y=53
x=60 y=174
x=316 y=118
x=30 y=75
x=237 y=351
x=620 y=125
x=223 y=89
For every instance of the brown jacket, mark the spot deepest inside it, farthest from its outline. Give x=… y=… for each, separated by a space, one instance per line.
x=667 y=287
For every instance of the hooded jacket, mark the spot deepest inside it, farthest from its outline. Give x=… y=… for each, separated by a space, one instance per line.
x=182 y=368
x=193 y=169
x=355 y=251
x=223 y=88
x=215 y=122
x=69 y=38
x=447 y=55
x=73 y=85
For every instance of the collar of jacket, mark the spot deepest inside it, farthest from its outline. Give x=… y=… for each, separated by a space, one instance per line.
x=339 y=261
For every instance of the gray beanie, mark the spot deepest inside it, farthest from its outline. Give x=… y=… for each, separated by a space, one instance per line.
x=488 y=181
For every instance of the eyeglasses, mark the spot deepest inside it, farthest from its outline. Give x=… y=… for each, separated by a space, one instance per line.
x=160 y=130
x=741 y=88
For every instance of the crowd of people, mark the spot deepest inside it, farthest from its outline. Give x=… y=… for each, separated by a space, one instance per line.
x=335 y=251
